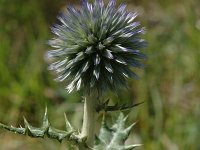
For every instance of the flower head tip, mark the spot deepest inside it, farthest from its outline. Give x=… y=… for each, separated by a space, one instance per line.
x=94 y=48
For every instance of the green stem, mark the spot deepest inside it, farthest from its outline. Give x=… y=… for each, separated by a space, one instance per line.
x=89 y=119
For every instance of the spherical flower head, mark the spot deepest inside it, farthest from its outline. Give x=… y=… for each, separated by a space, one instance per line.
x=96 y=47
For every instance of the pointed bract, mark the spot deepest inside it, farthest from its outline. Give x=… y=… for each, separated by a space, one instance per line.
x=67 y=124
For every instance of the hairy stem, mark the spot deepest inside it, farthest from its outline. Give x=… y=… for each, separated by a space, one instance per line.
x=89 y=119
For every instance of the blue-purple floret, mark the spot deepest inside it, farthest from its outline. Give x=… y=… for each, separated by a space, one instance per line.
x=96 y=47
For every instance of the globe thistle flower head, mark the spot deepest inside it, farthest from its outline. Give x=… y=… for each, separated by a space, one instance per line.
x=96 y=47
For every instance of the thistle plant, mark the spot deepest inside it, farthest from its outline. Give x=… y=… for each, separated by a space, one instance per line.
x=94 y=49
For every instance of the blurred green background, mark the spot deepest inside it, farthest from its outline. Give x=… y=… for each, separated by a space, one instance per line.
x=170 y=84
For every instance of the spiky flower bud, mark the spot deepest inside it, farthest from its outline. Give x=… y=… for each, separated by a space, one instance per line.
x=96 y=47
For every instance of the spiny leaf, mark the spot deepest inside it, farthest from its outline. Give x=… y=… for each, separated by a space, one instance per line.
x=113 y=138
x=47 y=131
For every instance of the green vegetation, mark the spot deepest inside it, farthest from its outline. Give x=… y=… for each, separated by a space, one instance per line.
x=169 y=86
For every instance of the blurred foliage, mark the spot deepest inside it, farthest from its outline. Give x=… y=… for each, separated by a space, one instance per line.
x=170 y=117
